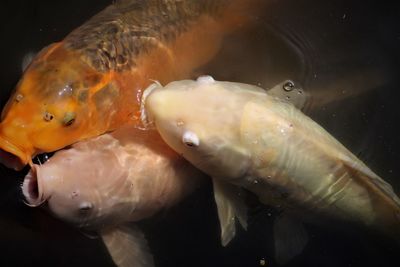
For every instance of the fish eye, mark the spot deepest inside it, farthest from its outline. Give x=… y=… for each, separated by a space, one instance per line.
x=47 y=116
x=69 y=118
x=85 y=206
x=190 y=139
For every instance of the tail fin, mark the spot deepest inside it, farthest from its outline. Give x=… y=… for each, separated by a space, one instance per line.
x=384 y=201
x=242 y=13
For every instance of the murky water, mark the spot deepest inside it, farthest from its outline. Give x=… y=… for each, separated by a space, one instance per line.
x=346 y=54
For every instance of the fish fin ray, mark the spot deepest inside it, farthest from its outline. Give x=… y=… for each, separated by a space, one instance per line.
x=294 y=95
x=230 y=204
x=128 y=247
x=360 y=170
x=27 y=60
x=290 y=238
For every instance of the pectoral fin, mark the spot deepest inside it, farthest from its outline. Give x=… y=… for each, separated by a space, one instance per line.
x=290 y=92
x=290 y=238
x=230 y=204
x=26 y=60
x=127 y=247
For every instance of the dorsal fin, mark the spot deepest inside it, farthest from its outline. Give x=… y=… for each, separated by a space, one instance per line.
x=290 y=92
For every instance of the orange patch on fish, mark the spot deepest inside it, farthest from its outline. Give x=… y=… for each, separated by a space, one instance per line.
x=92 y=81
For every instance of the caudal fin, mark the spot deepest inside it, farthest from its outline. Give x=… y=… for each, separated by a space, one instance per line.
x=242 y=13
x=384 y=201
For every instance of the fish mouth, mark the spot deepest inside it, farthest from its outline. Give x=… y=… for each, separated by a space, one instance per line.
x=12 y=156
x=146 y=120
x=32 y=188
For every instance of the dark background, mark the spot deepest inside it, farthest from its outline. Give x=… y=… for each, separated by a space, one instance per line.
x=346 y=52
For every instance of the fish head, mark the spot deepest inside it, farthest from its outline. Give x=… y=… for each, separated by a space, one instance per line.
x=49 y=108
x=75 y=188
x=196 y=120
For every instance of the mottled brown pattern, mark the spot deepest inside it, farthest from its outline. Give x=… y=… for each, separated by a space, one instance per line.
x=91 y=82
x=112 y=39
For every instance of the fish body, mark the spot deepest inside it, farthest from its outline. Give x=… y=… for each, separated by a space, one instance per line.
x=241 y=135
x=91 y=82
x=106 y=182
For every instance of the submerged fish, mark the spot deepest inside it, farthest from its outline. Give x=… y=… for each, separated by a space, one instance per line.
x=91 y=82
x=241 y=135
x=103 y=183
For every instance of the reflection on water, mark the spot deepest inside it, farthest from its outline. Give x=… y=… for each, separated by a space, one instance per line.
x=344 y=53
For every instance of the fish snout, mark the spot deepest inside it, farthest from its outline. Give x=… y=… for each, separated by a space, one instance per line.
x=32 y=188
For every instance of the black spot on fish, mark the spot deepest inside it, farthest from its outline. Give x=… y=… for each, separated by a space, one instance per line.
x=121 y=59
x=112 y=29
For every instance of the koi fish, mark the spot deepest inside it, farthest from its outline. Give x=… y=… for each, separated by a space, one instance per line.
x=91 y=82
x=241 y=135
x=103 y=183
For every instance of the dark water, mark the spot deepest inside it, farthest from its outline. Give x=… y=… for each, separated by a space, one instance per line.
x=346 y=54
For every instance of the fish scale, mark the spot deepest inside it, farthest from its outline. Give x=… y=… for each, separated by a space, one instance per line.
x=146 y=22
x=266 y=145
x=106 y=63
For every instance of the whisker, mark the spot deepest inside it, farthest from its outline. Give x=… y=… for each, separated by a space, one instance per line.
x=42 y=158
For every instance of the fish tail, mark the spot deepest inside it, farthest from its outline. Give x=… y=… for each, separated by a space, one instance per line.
x=382 y=198
x=242 y=13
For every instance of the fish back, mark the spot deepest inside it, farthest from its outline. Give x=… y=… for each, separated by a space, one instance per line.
x=304 y=166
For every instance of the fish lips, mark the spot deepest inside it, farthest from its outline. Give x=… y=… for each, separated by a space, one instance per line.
x=32 y=188
x=12 y=156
